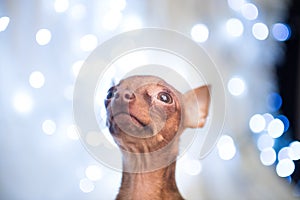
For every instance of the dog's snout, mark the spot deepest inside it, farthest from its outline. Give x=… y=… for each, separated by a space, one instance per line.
x=125 y=95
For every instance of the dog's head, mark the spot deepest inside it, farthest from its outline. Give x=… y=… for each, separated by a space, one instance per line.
x=144 y=113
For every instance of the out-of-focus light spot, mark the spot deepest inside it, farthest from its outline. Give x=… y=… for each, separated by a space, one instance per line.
x=49 y=127
x=112 y=20
x=4 y=21
x=22 y=102
x=268 y=118
x=295 y=150
x=265 y=141
x=268 y=156
x=234 y=27
x=118 y=4
x=285 y=167
x=226 y=148
x=236 y=86
x=93 y=138
x=192 y=167
x=275 y=128
x=88 y=42
x=285 y=121
x=257 y=123
x=86 y=185
x=249 y=11
x=260 y=31
x=131 y=22
x=284 y=153
x=78 y=11
x=72 y=132
x=43 y=36
x=281 y=32
x=236 y=4
x=76 y=67
x=36 y=79
x=93 y=172
x=61 y=5
x=274 y=101
x=200 y=33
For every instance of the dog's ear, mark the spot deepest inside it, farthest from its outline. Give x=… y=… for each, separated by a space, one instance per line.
x=195 y=107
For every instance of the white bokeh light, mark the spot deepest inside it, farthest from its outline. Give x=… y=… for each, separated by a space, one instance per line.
x=22 y=102
x=236 y=4
x=285 y=167
x=295 y=150
x=234 y=27
x=61 y=5
x=200 y=33
x=249 y=11
x=86 y=185
x=93 y=172
x=36 y=79
x=284 y=153
x=268 y=118
x=78 y=11
x=275 y=128
x=226 y=147
x=265 y=141
x=257 y=123
x=88 y=42
x=4 y=21
x=43 y=36
x=236 y=86
x=268 y=156
x=260 y=31
x=72 y=132
x=76 y=67
x=49 y=127
x=112 y=20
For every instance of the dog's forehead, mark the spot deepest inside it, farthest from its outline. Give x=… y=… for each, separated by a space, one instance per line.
x=144 y=81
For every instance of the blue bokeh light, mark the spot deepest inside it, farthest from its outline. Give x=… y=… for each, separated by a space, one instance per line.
x=281 y=32
x=274 y=101
x=285 y=121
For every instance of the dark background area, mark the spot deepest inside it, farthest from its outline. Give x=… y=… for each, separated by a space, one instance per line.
x=288 y=78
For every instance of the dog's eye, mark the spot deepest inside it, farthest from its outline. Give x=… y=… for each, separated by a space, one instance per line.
x=110 y=93
x=165 y=97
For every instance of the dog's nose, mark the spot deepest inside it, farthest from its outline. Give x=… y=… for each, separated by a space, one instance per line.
x=125 y=95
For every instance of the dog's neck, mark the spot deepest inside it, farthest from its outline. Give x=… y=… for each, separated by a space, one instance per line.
x=158 y=184
x=145 y=178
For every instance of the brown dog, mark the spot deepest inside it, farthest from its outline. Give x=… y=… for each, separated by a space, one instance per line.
x=146 y=116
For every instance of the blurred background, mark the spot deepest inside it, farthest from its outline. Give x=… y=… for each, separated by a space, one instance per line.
x=255 y=45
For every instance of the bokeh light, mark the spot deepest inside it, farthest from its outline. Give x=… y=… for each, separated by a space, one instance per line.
x=260 y=31
x=226 y=147
x=86 y=185
x=285 y=121
x=49 y=127
x=118 y=4
x=4 y=21
x=236 y=86
x=76 y=67
x=285 y=167
x=274 y=101
x=43 y=37
x=284 y=153
x=36 y=79
x=268 y=156
x=61 y=5
x=236 y=4
x=22 y=102
x=78 y=11
x=275 y=128
x=234 y=27
x=268 y=118
x=257 y=123
x=295 y=150
x=200 y=33
x=131 y=22
x=281 y=32
x=112 y=20
x=93 y=172
x=249 y=11
x=88 y=42
x=265 y=141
